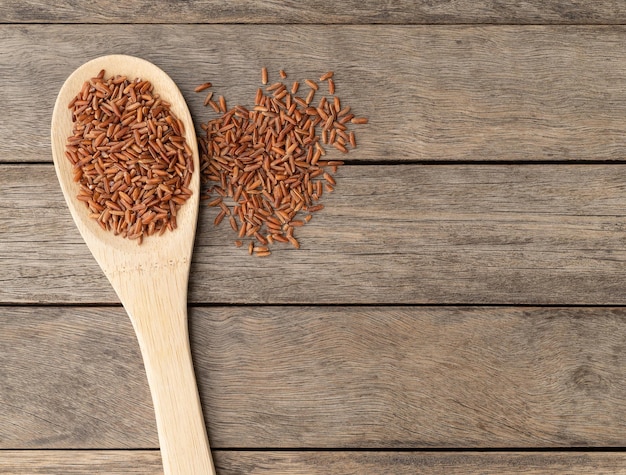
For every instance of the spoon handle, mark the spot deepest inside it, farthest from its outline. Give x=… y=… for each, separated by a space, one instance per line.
x=164 y=342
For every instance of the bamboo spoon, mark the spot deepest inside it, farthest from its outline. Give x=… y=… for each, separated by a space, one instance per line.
x=150 y=279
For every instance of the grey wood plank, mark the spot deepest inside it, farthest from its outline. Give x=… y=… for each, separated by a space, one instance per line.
x=432 y=93
x=410 y=234
x=426 y=463
x=83 y=462
x=58 y=462
x=310 y=11
x=325 y=377
x=72 y=378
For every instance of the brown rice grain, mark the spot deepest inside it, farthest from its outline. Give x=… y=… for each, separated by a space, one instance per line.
x=337 y=104
x=219 y=217
x=326 y=76
x=294 y=242
x=208 y=98
x=343 y=111
x=233 y=223
x=309 y=97
x=274 y=86
x=329 y=179
x=260 y=238
x=311 y=84
x=346 y=118
x=202 y=87
x=214 y=106
x=340 y=147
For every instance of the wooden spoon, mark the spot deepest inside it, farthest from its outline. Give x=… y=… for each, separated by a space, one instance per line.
x=150 y=279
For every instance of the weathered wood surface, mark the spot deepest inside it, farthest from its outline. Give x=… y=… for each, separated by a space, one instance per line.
x=72 y=378
x=410 y=234
x=326 y=377
x=438 y=93
x=84 y=462
x=292 y=11
x=57 y=462
x=333 y=375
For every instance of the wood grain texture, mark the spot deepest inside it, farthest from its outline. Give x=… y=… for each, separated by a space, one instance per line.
x=58 y=462
x=326 y=377
x=315 y=11
x=72 y=378
x=424 y=463
x=294 y=389
x=438 y=93
x=411 y=234
x=83 y=462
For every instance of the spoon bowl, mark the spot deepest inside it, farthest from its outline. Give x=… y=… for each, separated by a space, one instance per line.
x=150 y=279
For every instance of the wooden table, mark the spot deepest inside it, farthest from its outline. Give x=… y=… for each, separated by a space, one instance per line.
x=457 y=307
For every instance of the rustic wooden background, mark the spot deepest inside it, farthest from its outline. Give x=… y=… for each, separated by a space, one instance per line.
x=458 y=306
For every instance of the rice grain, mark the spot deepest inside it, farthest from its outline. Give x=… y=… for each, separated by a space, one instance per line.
x=202 y=87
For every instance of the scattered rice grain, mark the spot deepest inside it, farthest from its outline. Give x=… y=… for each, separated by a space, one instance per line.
x=202 y=87
x=263 y=167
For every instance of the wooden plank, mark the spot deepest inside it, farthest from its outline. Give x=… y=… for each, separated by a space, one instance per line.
x=58 y=462
x=425 y=463
x=410 y=234
x=326 y=377
x=83 y=462
x=438 y=93
x=72 y=378
x=324 y=12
